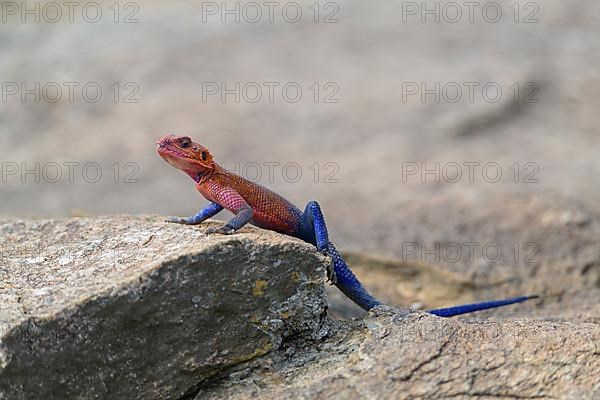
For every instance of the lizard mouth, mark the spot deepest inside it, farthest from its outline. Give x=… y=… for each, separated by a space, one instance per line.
x=170 y=150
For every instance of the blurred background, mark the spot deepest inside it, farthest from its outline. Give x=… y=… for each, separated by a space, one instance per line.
x=420 y=127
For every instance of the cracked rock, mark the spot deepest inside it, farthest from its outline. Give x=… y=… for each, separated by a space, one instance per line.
x=134 y=308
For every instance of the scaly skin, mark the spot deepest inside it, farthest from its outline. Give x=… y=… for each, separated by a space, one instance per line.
x=255 y=204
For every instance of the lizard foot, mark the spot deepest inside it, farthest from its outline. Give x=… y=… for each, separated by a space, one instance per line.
x=331 y=275
x=222 y=230
x=176 y=220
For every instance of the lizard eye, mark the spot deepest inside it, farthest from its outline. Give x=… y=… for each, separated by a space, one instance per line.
x=203 y=155
x=185 y=142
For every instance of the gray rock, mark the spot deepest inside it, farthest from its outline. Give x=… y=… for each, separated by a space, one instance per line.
x=134 y=308
x=391 y=356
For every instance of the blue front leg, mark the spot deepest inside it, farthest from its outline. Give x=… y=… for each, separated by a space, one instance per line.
x=202 y=215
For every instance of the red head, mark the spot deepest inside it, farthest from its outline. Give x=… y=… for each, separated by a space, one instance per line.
x=190 y=157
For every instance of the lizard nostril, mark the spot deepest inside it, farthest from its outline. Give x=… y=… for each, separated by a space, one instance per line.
x=163 y=140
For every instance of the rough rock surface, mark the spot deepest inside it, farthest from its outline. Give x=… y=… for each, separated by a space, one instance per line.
x=133 y=308
x=391 y=356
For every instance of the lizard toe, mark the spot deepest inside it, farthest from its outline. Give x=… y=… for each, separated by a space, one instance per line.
x=222 y=230
x=175 y=220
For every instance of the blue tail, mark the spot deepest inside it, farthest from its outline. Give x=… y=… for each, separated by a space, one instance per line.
x=351 y=287
x=467 y=308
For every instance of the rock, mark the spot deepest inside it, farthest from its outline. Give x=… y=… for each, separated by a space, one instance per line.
x=391 y=356
x=134 y=308
x=361 y=142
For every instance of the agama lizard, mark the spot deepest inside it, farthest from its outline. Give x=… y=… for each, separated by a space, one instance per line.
x=255 y=204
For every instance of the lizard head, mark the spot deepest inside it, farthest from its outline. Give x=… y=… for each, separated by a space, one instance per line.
x=186 y=155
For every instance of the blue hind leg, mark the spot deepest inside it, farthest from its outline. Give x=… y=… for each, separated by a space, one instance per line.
x=314 y=230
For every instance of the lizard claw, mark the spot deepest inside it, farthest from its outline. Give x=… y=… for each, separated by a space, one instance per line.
x=222 y=230
x=175 y=220
x=331 y=275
